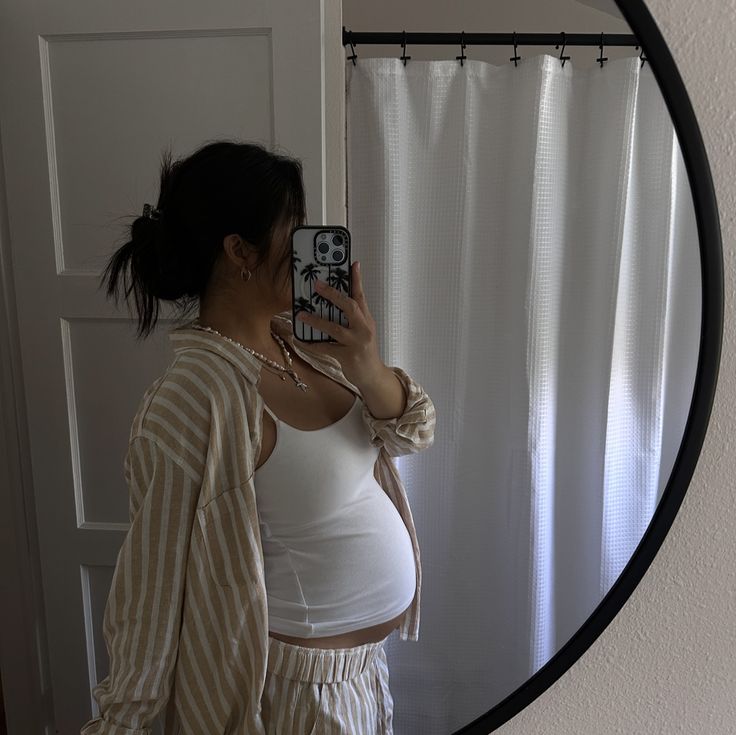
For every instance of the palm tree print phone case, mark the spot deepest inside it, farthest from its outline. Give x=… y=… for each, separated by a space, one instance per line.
x=319 y=252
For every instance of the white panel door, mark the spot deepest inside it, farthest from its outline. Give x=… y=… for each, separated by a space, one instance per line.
x=90 y=94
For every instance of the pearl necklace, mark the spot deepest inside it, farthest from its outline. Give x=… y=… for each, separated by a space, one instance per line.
x=299 y=383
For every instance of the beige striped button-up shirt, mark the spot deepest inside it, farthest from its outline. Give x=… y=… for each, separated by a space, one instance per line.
x=186 y=620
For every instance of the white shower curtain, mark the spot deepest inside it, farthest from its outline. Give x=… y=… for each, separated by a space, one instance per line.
x=529 y=252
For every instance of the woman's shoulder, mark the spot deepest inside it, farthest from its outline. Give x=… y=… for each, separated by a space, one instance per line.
x=192 y=389
x=210 y=386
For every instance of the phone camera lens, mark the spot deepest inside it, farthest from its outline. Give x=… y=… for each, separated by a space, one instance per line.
x=323 y=247
x=337 y=239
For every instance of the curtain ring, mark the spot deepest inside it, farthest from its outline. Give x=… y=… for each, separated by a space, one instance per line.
x=641 y=55
x=601 y=58
x=514 y=58
x=404 y=57
x=350 y=41
x=563 y=59
x=462 y=48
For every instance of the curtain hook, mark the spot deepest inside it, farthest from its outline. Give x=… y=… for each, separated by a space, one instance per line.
x=462 y=48
x=514 y=58
x=601 y=58
x=352 y=47
x=641 y=55
x=563 y=59
x=404 y=57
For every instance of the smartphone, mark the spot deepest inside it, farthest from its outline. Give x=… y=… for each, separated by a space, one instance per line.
x=319 y=252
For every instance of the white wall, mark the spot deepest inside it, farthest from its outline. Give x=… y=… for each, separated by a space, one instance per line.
x=667 y=662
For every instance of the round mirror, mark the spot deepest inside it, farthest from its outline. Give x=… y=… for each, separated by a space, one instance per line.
x=541 y=217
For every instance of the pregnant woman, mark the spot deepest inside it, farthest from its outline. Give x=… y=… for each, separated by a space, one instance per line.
x=271 y=550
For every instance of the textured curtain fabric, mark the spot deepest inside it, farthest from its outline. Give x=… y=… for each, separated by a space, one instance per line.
x=529 y=251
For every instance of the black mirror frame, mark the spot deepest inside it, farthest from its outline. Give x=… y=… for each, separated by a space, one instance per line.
x=642 y=23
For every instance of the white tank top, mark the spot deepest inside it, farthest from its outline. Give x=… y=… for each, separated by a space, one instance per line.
x=337 y=554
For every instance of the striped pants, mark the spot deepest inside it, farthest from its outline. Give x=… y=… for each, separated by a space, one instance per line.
x=327 y=691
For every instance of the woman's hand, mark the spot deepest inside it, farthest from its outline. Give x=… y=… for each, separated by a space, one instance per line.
x=356 y=349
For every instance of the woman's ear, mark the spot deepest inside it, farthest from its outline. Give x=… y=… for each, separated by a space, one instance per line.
x=237 y=250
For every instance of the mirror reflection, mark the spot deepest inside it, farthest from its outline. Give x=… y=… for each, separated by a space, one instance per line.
x=528 y=247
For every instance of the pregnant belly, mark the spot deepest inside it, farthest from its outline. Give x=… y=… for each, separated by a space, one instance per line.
x=386 y=541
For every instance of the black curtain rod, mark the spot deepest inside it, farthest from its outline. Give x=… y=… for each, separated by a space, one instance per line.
x=463 y=39
x=487 y=39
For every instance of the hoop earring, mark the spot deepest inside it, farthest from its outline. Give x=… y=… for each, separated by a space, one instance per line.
x=249 y=274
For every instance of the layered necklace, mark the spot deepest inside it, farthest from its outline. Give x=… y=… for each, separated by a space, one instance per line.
x=299 y=383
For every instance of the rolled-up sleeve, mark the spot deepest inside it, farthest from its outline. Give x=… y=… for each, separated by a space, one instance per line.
x=411 y=432
x=142 y=618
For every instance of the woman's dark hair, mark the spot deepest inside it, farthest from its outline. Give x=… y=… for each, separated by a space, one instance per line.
x=224 y=187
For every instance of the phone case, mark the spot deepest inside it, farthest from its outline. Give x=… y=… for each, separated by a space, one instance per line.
x=319 y=252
